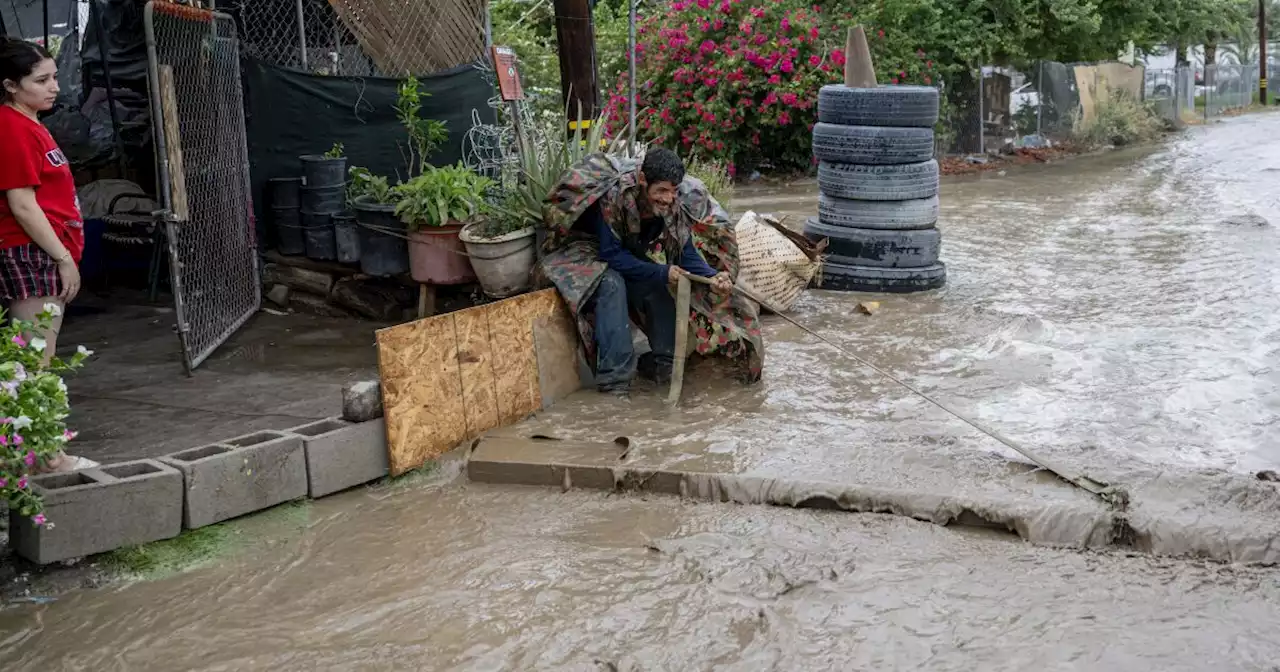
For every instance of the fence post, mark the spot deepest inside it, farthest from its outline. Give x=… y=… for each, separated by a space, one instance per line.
x=302 y=34
x=982 y=116
x=1040 y=99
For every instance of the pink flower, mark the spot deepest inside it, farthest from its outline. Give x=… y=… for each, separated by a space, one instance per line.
x=788 y=99
x=733 y=170
x=707 y=47
x=704 y=4
x=39 y=519
x=19 y=341
x=784 y=119
x=837 y=56
x=4 y=482
x=22 y=483
x=757 y=12
x=775 y=79
x=880 y=33
x=4 y=440
x=787 y=66
x=30 y=459
x=17 y=439
x=813 y=33
x=718 y=24
x=786 y=24
x=815 y=60
x=894 y=80
x=771 y=98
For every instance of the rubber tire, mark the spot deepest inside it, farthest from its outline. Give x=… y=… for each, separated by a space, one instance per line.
x=911 y=106
x=921 y=213
x=877 y=247
x=879 y=183
x=872 y=145
x=850 y=278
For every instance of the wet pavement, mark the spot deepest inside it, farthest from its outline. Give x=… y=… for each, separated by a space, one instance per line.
x=1119 y=312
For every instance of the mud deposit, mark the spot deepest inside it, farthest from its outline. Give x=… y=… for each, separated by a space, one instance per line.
x=1120 y=312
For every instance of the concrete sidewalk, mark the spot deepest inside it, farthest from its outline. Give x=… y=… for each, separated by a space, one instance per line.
x=133 y=399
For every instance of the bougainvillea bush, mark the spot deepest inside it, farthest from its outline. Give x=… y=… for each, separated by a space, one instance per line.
x=738 y=80
x=33 y=409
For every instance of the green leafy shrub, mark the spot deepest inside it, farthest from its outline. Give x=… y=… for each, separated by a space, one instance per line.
x=441 y=196
x=1117 y=120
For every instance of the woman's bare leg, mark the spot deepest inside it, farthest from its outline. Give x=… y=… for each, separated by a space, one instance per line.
x=27 y=310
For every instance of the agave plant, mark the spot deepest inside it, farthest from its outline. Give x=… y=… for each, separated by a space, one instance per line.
x=542 y=164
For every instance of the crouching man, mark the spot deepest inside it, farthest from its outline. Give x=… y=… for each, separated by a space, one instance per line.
x=620 y=234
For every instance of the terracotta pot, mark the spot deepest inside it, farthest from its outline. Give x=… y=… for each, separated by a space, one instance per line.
x=437 y=256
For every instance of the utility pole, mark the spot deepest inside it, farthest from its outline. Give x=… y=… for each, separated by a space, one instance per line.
x=575 y=37
x=1262 y=52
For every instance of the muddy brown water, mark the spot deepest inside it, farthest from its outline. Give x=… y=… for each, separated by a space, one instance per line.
x=1120 y=311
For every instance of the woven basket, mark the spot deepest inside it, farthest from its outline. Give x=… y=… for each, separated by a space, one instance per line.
x=774 y=261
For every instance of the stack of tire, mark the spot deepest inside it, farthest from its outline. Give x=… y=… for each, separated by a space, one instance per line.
x=879 y=182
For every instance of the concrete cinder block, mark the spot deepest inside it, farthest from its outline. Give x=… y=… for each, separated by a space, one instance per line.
x=342 y=455
x=100 y=509
x=241 y=475
x=362 y=401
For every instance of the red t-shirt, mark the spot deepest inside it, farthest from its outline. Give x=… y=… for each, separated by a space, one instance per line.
x=30 y=158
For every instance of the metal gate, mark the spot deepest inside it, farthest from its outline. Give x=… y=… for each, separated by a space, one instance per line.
x=197 y=111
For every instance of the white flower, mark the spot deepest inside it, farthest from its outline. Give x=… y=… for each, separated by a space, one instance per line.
x=37 y=344
x=53 y=309
x=19 y=372
x=62 y=387
x=10 y=388
x=21 y=422
x=84 y=351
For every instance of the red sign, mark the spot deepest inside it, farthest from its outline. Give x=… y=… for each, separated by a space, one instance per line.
x=504 y=63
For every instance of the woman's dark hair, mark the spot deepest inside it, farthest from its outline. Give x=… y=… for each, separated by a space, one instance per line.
x=662 y=165
x=18 y=58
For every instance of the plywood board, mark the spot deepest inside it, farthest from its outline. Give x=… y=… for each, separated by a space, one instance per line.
x=475 y=364
x=555 y=342
x=421 y=391
x=453 y=377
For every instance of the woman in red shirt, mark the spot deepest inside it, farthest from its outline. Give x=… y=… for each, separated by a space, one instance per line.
x=41 y=232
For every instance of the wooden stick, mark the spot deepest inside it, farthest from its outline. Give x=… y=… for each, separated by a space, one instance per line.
x=173 y=144
x=684 y=322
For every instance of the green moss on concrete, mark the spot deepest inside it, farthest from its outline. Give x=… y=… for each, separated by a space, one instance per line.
x=197 y=548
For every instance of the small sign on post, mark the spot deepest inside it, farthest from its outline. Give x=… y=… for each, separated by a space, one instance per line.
x=504 y=63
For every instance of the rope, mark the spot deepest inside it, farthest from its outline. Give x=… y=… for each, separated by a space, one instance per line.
x=1116 y=497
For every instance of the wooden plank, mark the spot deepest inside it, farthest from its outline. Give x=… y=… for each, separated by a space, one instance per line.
x=422 y=391
x=475 y=362
x=173 y=144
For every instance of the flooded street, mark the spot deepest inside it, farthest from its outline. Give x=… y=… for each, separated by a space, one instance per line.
x=1119 y=312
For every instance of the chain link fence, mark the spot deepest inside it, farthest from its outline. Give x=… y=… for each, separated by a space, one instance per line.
x=391 y=38
x=194 y=73
x=1229 y=88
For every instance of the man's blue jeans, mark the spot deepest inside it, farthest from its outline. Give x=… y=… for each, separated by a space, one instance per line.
x=615 y=353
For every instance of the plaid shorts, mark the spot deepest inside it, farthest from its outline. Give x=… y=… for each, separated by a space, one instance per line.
x=27 y=271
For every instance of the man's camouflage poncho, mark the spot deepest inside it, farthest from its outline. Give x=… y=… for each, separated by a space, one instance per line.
x=724 y=325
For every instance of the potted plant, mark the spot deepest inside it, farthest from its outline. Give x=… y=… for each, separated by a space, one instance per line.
x=384 y=247
x=325 y=170
x=501 y=248
x=434 y=207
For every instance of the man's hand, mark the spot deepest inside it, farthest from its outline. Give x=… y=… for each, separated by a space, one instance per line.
x=673 y=274
x=722 y=283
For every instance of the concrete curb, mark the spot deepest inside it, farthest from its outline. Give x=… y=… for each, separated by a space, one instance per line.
x=241 y=475
x=341 y=455
x=101 y=509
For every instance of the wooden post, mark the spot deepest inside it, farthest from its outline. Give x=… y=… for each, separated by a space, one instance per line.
x=1262 y=52
x=575 y=38
x=426 y=300
x=173 y=144
x=859 y=71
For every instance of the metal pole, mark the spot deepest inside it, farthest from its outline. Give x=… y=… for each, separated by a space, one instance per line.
x=45 y=11
x=631 y=76
x=302 y=34
x=982 y=130
x=95 y=12
x=1040 y=99
x=488 y=27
